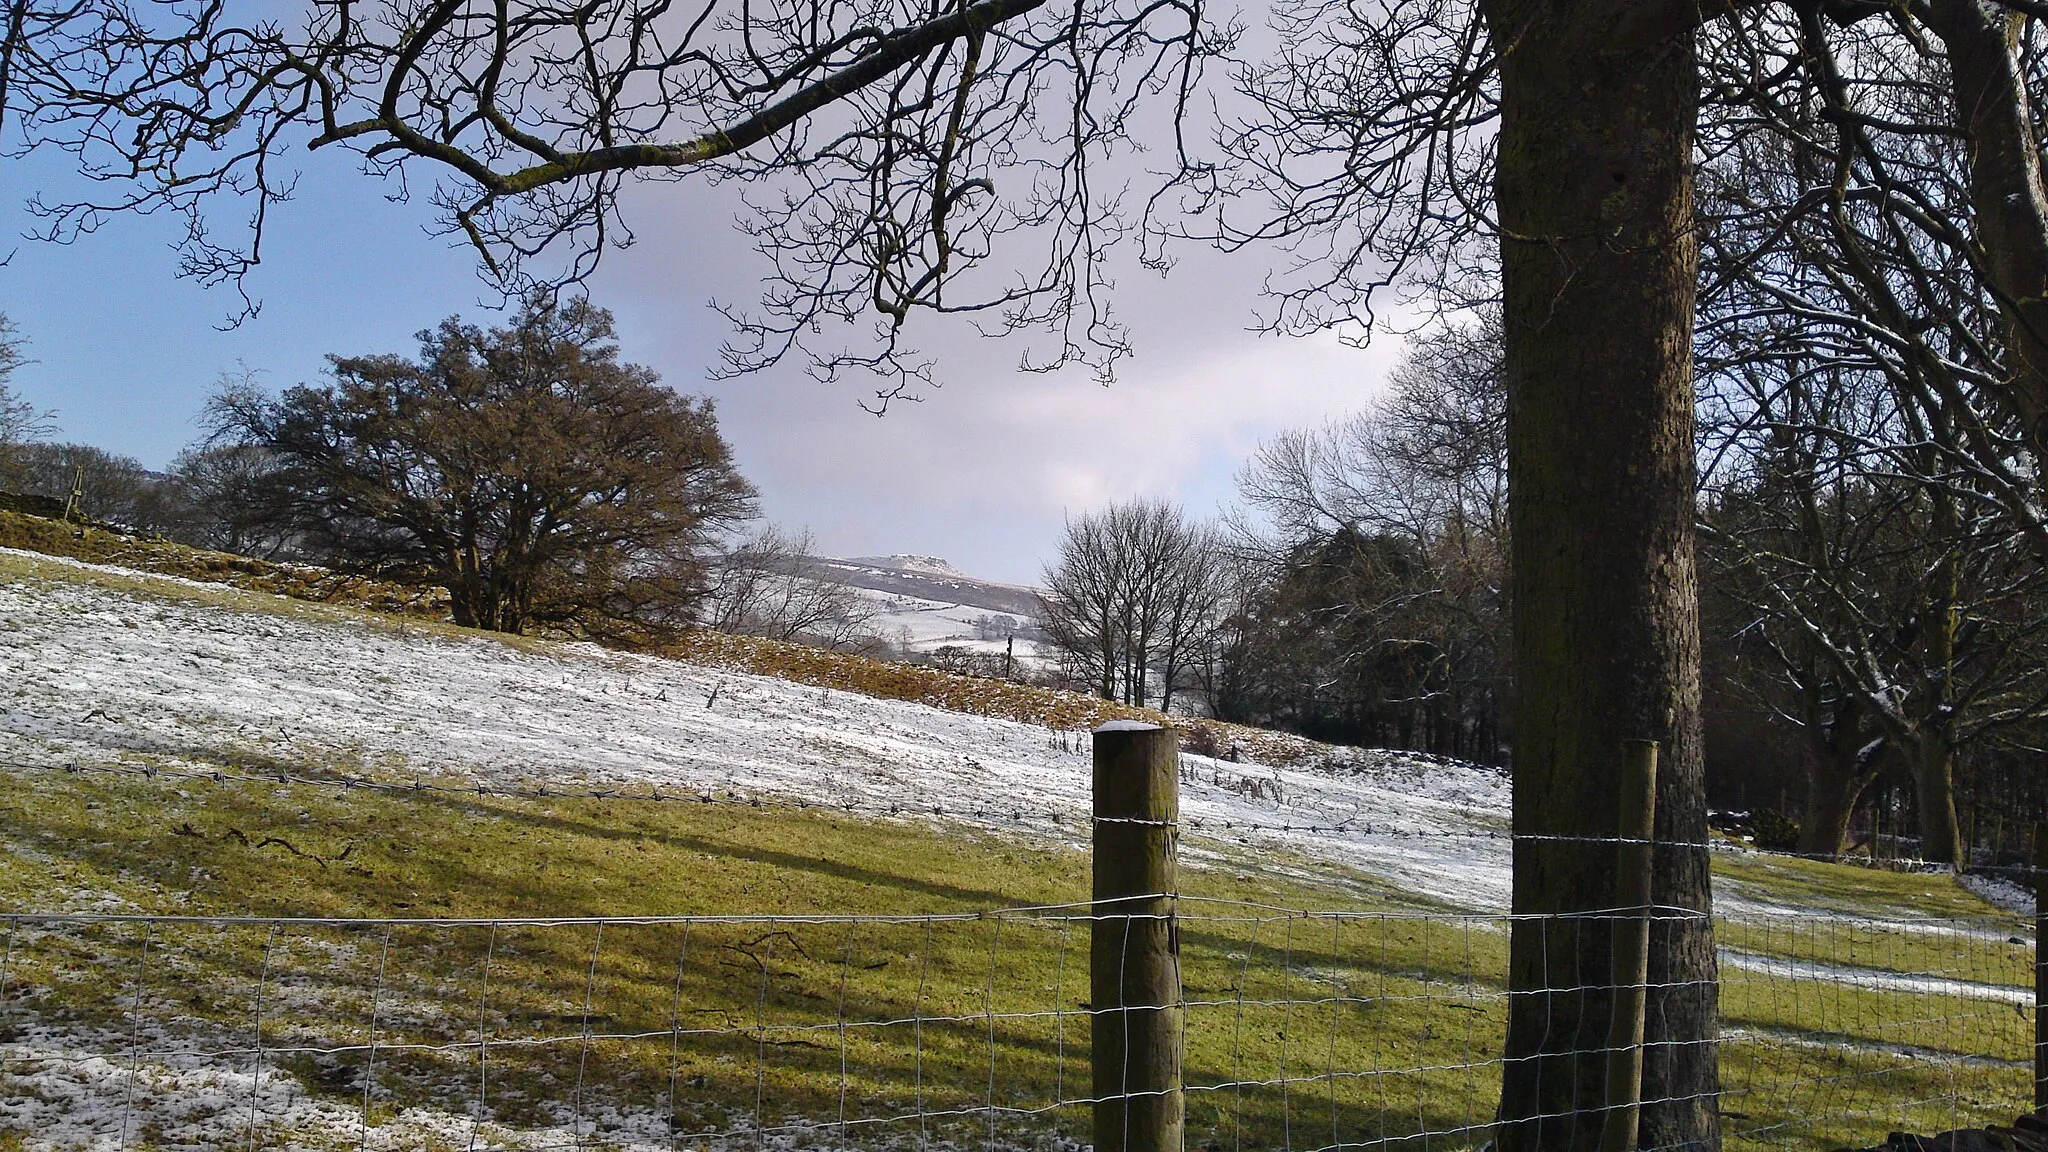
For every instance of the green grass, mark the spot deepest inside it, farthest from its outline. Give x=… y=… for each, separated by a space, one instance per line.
x=1846 y=888
x=730 y=1021
x=999 y=996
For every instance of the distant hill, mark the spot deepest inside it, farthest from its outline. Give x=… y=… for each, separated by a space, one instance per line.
x=930 y=578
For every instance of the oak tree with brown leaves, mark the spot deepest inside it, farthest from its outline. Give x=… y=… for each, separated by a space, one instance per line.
x=540 y=480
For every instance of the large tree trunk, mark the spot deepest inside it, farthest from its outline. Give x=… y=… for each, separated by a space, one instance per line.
x=1834 y=784
x=1106 y=687
x=1934 y=797
x=471 y=602
x=1934 y=758
x=1837 y=771
x=1598 y=267
x=1930 y=745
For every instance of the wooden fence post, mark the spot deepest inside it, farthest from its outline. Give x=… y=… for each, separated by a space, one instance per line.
x=2040 y=967
x=1630 y=943
x=1134 y=942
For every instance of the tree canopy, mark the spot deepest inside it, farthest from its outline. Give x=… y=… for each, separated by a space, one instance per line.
x=539 y=479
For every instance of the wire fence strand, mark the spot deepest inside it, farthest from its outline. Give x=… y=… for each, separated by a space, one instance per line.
x=1306 y=1030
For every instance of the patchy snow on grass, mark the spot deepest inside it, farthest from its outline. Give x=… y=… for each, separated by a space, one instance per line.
x=135 y=668
x=105 y=674
x=2000 y=891
x=70 y=1098
x=128 y=668
x=1874 y=979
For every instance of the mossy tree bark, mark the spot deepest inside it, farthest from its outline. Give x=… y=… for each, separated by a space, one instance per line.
x=1598 y=266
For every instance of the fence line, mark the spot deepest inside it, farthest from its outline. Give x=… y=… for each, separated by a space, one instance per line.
x=1311 y=1030
x=1223 y=1024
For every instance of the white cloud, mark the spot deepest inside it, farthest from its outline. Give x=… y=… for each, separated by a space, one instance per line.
x=984 y=469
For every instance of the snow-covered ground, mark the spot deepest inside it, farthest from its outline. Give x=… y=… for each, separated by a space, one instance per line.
x=1876 y=980
x=101 y=674
x=72 y=1097
x=922 y=604
x=915 y=624
x=2004 y=893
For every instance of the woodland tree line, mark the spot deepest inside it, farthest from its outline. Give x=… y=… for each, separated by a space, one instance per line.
x=1875 y=636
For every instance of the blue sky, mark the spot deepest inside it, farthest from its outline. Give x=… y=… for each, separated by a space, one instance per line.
x=982 y=472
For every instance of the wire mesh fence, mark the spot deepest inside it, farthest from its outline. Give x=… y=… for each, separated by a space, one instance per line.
x=1302 y=1030
x=1269 y=1027
x=1839 y=1029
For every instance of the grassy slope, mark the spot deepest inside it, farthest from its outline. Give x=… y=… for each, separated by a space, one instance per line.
x=1369 y=993
x=100 y=545
x=1278 y=1000
x=273 y=850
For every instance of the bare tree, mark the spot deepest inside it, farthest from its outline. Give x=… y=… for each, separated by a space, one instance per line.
x=1431 y=456
x=1379 y=133
x=1190 y=589
x=1411 y=142
x=887 y=128
x=218 y=498
x=1386 y=614
x=1846 y=172
x=772 y=584
x=1080 y=605
x=20 y=421
x=1132 y=597
x=1888 y=612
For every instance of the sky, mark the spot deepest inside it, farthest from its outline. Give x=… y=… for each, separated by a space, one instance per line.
x=982 y=472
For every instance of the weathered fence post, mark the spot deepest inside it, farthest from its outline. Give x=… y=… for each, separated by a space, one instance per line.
x=1630 y=943
x=1134 y=944
x=2040 y=967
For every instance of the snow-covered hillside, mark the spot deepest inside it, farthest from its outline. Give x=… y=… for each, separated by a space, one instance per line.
x=109 y=671
x=922 y=604
x=930 y=578
x=123 y=665
x=106 y=666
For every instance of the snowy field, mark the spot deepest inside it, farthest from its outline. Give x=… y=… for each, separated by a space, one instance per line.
x=177 y=673
x=923 y=626
x=104 y=675
x=71 y=1099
